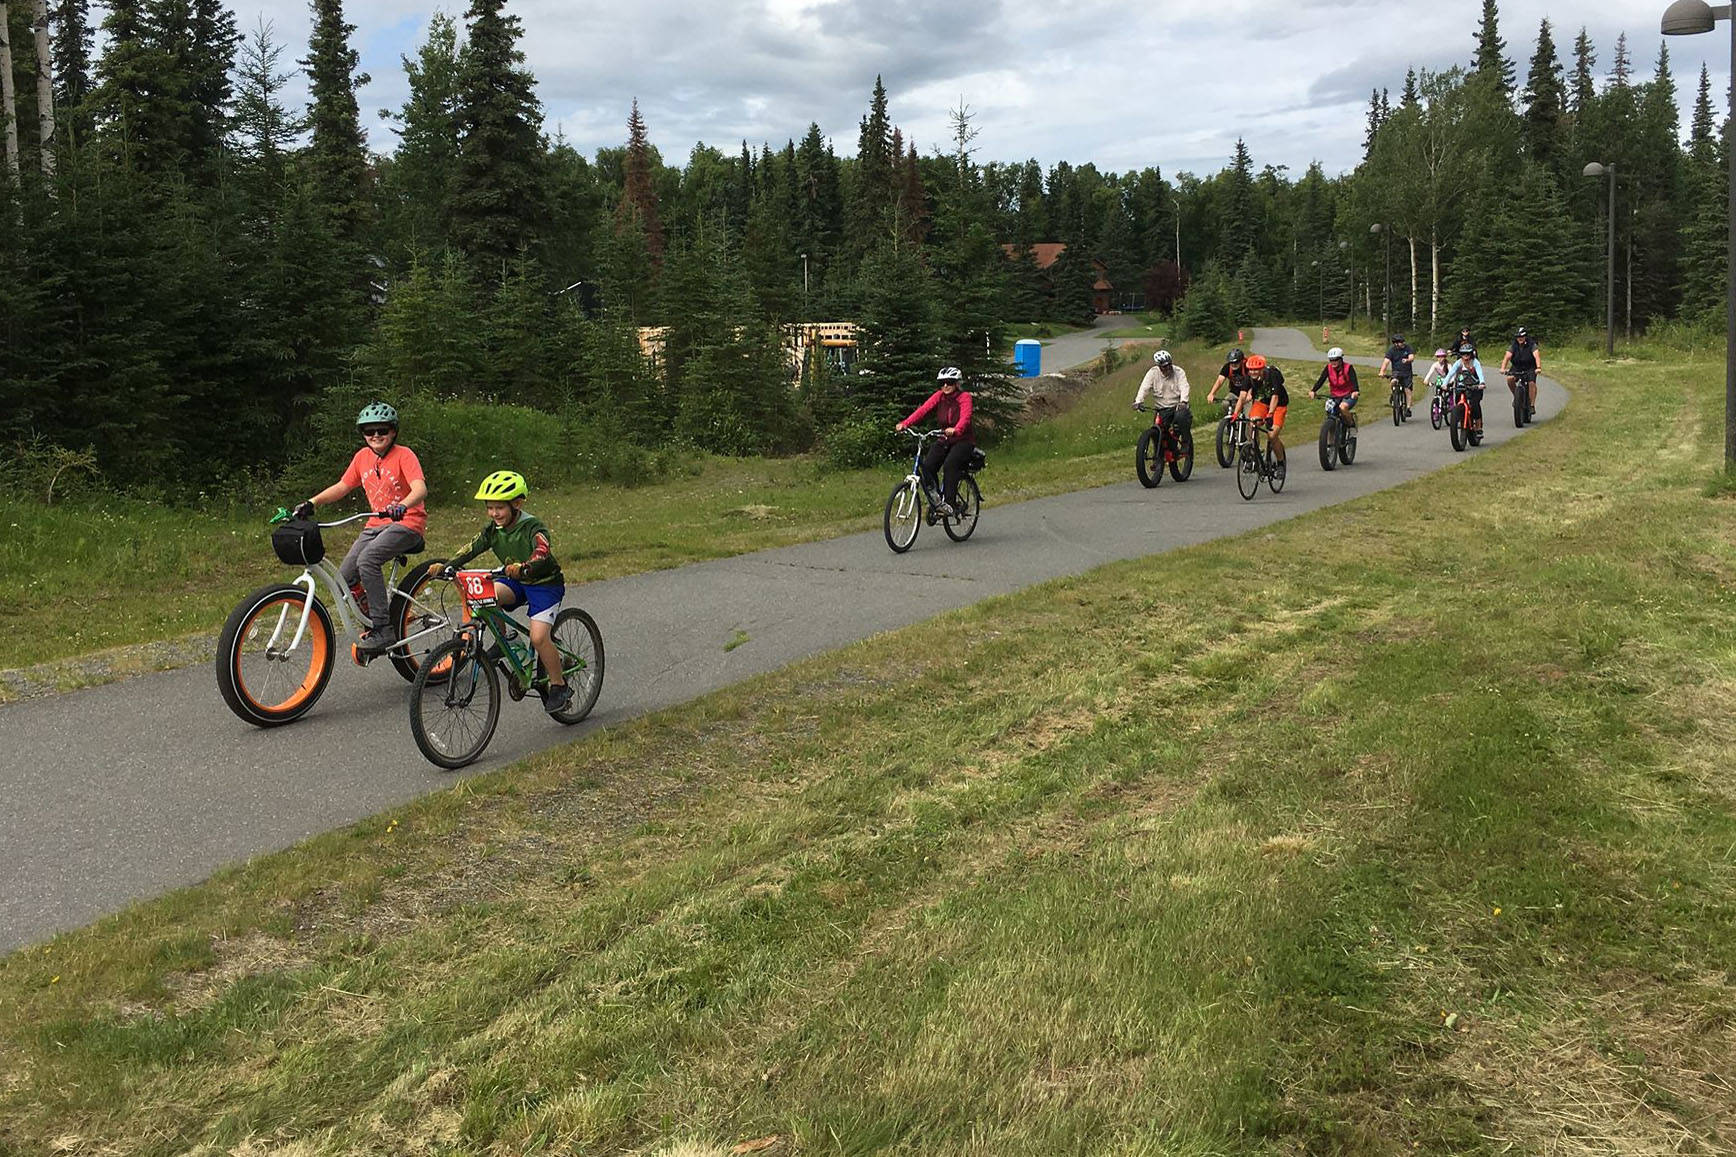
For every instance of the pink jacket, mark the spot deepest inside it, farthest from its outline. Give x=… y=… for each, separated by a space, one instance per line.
x=949 y=412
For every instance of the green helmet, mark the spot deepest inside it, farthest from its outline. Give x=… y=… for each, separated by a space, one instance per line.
x=377 y=413
x=502 y=486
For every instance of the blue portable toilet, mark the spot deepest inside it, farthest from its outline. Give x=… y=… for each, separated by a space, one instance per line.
x=1028 y=356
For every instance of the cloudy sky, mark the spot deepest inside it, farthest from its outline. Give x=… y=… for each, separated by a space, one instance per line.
x=1123 y=84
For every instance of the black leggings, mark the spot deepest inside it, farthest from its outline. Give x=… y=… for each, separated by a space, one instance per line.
x=1475 y=394
x=949 y=459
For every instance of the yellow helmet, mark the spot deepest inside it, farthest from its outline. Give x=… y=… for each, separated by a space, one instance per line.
x=502 y=486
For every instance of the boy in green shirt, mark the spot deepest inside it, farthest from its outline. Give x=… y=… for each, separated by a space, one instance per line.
x=533 y=577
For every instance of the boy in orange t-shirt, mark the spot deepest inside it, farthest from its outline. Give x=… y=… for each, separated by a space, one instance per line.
x=391 y=476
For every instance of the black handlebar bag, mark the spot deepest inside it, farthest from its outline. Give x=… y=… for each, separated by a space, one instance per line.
x=298 y=542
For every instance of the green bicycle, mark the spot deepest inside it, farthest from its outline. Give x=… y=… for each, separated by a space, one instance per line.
x=455 y=697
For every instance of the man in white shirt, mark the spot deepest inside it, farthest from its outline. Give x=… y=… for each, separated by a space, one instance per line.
x=1165 y=386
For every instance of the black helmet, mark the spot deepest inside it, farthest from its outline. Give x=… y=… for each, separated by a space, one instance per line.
x=1467 y=350
x=1236 y=355
x=1397 y=338
x=1521 y=332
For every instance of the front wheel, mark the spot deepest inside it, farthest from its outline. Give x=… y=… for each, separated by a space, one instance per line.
x=580 y=644
x=1148 y=457
x=967 y=504
x=1398 y=407
x=426 y=612
x=1520 y=406
x=1435 y=415
x=1181 y=466
x=1457 y=432
x=260 y=676
x=1328 y=445
x=1226 y=442
x=453 y=715
x=903 y=516
x=1248 y=470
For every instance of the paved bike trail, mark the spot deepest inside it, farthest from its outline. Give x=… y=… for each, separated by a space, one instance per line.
x=128 y=790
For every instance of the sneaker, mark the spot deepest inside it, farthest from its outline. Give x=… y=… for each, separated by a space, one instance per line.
x=378 y=641
x=945 y=510
x=557 y=699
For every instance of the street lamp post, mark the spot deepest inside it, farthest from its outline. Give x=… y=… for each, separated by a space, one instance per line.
x=1385 y=234
x=1688 y=18
x=1596 y=170
x=804 y=286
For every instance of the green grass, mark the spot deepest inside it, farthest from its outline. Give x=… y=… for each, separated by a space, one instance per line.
x=116 y=571
x=1421 y=846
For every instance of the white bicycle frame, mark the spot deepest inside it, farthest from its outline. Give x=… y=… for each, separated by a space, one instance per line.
x=911 y=502
x=341 y=599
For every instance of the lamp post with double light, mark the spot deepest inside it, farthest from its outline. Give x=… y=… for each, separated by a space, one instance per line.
x=1384 y=232
x=1690 y=18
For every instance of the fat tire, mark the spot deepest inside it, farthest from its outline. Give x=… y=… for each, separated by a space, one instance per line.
x=1328 y=448
x=320 y=640
x=1520 y=398
x=1347 y=445
x=957 y=528
x=451 y=658
x=1148 y=457
x=1226 y=443
x=915 y=523
x=581 y=705
x=1182 y=468
x=1457 y=433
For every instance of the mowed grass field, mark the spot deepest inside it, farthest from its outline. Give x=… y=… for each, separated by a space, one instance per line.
x=109 y=572
x=1407 y=826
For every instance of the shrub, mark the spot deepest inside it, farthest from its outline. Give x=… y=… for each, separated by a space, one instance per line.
x=861 y=444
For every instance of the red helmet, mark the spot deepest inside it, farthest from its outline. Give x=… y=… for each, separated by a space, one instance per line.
x=1255 y=362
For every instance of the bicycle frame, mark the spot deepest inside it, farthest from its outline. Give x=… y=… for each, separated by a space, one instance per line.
x=498 y=622
x=914 y=478
x=340 y=598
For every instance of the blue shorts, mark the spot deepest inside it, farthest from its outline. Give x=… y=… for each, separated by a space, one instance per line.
x=542 y=601
x=1347 y=401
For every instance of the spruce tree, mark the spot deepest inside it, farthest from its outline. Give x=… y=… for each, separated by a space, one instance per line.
x=1491 y=60
x=638 y=207
x=1583 y=91
x=213 y=42
x=336 y=156
x=1411 y=97
x=425 y=167
x=497 y=201
x=873 y=200
x=898 y=332
x=1545 y=99
x=72 y=60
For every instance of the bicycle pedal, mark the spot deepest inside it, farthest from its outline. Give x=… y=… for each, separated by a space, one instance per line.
x=358 y=656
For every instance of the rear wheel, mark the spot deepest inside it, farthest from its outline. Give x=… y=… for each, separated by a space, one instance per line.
x=1276 y=469
x=1148 y=457
x=580 y=644
x=1328 y=444
x=903 y=516
x=453 y=717
x=1181 y=466
x=1226 y=442
x=966 y=506
x=265 y=682
x=422 y=603
x=1248 y=469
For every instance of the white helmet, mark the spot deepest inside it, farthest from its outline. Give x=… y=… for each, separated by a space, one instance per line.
x=1335 y=354
x=950 y=374
x=1162 y=358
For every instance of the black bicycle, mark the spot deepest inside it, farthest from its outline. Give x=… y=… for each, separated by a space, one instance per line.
x=1257 y=458
x=1401 y=411
x=1160 y=446
x=1232 y=428
x=1337 y=435
x=1520 y=382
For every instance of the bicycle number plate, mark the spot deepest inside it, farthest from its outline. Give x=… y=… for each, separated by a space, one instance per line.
x=477 y=587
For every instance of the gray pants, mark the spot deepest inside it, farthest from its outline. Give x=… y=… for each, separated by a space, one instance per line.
x=372 y=550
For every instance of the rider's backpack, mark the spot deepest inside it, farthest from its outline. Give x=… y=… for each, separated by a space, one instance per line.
x=298 y=542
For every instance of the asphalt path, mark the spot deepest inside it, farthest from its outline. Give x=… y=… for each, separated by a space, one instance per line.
x=126 y=791
x=1086 y=345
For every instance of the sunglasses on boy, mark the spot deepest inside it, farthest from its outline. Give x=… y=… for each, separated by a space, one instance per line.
x=376 y=431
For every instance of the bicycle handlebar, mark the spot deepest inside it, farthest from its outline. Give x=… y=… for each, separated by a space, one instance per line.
x=283 y=515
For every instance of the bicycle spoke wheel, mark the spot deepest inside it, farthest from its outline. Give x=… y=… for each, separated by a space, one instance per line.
x=427 y=613
x=1276 y=469
x=1247 y=469
x=965 y=509
x=903 y=516
x=1181 y=466
x=261 y=677
x=453 y=718
x=580 y=644
x=1148 y=457
x=1435 y=412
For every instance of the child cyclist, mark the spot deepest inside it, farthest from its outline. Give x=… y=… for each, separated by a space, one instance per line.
x=533 y=577
x=391 y=476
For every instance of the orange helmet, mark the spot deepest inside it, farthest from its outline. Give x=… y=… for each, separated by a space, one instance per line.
x=1255 y=362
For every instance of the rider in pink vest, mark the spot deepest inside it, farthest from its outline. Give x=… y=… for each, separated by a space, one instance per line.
x=1340 y=378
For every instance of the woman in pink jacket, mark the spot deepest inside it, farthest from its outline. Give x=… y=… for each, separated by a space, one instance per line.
x=951 y=406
